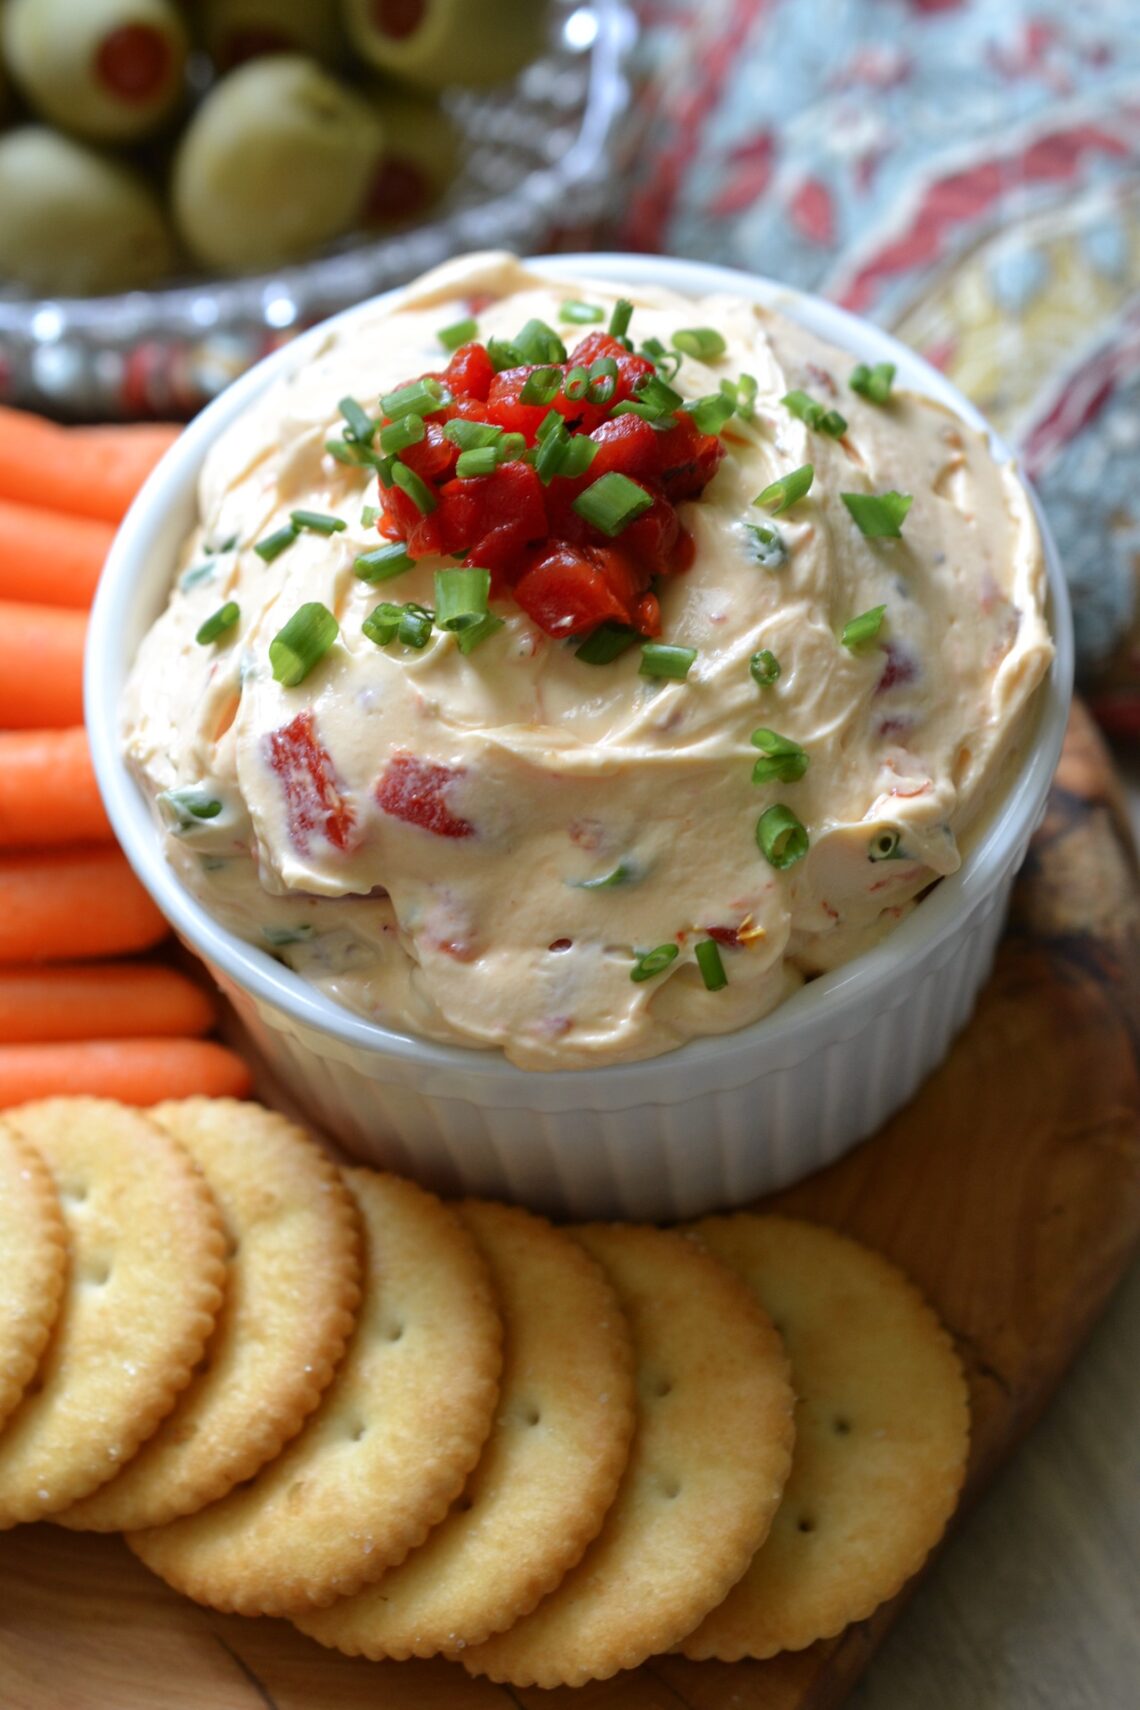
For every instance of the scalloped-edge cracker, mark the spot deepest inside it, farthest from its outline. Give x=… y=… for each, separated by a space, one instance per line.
x=142 y=1292
x=391 y=1443
x=550 y=1468
x=33 y=1258
x=293 y=1285
x=882 y=1436
x=707 y=1465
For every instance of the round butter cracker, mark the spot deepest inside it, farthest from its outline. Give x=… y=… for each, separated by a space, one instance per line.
x=710 y=1454
x=142 y=1292
x=293 y=1249
x=33 y=1256
x=389 y=1447
x=548 y=1473
x=882 y=1436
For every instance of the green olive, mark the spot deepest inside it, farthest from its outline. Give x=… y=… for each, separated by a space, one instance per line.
x=234 y=31
x=434 y=43
x=73 y=223
x=419 y=162
x=108 y=70
x=275 y=163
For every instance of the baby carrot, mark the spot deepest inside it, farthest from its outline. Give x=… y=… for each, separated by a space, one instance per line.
x=135 y=1071
x=88 y=472
x=41 y=683
x=48 y=793
x=108 y=1000
x=63 y=905
x=49 y=557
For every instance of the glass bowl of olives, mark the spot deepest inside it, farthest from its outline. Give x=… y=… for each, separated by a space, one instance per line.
x=184 y=187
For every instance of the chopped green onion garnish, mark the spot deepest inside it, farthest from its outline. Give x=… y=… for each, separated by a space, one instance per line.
x=539 y=343
x=577 y=384
x=607 y=643
x=780 y=495
x=660 y=659
x=484 y=460
x=551 y=422
x=885 y=847
x=580 y=314
x=612 y=502
x=360 y=423
x=504 y=354
x=764 y=668
x=276 y=543
x=224 y=618
x=780 y=836
x=667 y=362
x=879 y=516
x=199 y=573
x=780 y=757
x=816 y=415
x=420 y=398
x=369 y=516
x=603 y=380
x=317 y=522
x=578 y=453
x=767 y=545
x=188 y=805
x=384 y=562
x=711 y=413
x=711 y=966
x=619 y=875
x=704 y=342
x=302 y=643
x=511 y=446
x=653 y=962
x=226 y=545
x=416 y=489
x=469 y=639
x=459 y=332
x=461 y=597
x=398 y=435
x=411 y=623
x=563 y=453
x=858 y=631
x=874 y=383
x=743 y=394
x=352 y=454
x=471 y=436
x=541 y=386
x=620 y=319
x=657 y=396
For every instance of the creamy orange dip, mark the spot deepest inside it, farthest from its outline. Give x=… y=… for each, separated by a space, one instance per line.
x=608 y=813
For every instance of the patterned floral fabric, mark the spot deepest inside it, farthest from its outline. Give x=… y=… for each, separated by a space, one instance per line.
x=966 y=173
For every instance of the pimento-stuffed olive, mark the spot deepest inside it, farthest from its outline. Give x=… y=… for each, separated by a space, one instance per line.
x=419 y=162
x=234 y=31
x=276 y=162
x=434 y=43
x=108 y=70
x=72 y=222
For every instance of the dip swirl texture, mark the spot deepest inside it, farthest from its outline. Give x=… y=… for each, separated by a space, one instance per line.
x=587 y=814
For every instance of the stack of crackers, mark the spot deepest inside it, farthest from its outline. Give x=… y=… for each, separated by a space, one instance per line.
x=416 y=1429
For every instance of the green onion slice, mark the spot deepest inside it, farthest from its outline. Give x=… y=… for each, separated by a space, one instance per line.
x=743 y=393
x=471 y=436
x=711 y=966
x=875 y=383
x=661 y=659
x=411 y=624
x=420 y=398
x=879 y=516
x=764 y=668
x=352 y=454
x=369 y=516
x=398 y=435
x=197 y=574
x=666 y=362
x=816 y=415
x=185 y=807
x=461 y=598
x=539 y=343
x=619 y=875
x=361 y=426
x=459 y=332
x=657 y=397
x=469 y=639
x=317 y=522
x=780 y=836
x=541 y=386
x=885 y=847
x=603 y=380
x=858 y=631
x=612 y=502
x=384 y=562
x=704 y=342
x=511 y=446
x=653 y=962
x=576 y=384
x=276 y=543
x=415 y=487
x=780 y=758
x=620 y=318
x=780 y=495
x=302 y=643
x=504 y=354
x=484 y=460
x=224 y=618
x=607 y=643
x=767 y=545
x=710 y=414
x=579 y=314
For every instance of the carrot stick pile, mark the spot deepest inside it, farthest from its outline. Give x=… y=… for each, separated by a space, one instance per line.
x=80 y=1012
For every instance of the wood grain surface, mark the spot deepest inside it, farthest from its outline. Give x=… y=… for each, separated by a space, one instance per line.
x=1009 y=1189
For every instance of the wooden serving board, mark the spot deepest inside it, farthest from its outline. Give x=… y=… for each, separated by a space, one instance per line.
x=1009 y=1189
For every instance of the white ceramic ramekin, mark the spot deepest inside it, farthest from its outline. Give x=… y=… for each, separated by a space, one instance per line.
x=713 y=1124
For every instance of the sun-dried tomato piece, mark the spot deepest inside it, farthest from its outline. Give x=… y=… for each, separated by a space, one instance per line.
x=414 y=790
x=314 y=804
x=569 y=589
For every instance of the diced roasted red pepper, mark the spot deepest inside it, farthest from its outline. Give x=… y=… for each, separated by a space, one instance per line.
x=434 y=456
x=506 y=409
x=415 y=790
x=314 y=804
x=402 y=519
x=470 y=372
x=569 y=589
x=688 y=459
x=493 y=518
